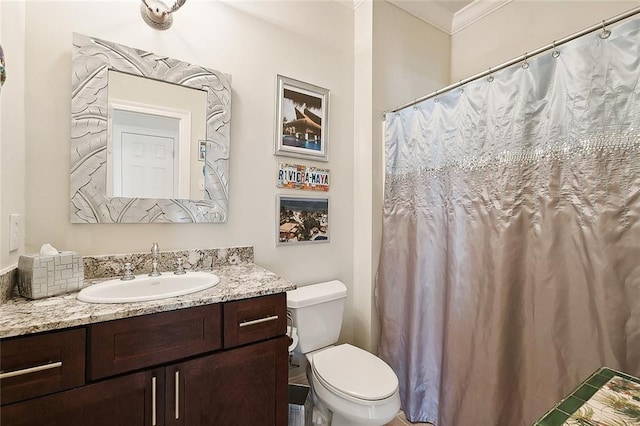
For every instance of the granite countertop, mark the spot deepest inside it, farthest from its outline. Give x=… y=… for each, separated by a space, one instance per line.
x=21 y=316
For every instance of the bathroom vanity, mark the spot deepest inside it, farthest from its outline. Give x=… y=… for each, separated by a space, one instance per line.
x=217 y=357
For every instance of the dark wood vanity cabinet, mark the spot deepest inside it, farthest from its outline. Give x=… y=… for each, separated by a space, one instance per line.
x=122 y=401
x=174 y=368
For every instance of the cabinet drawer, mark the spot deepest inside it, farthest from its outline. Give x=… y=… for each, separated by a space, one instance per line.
x=41 y=364
x=251 y=320
x=129 y=344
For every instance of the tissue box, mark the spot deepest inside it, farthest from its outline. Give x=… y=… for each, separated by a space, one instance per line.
x=41 y=275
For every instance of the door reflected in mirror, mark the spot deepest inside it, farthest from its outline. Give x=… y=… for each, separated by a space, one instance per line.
x=154 y=131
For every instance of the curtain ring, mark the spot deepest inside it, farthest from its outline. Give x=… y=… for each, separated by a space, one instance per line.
x=525 y=64
x=460 y=85
x=556 y=52
x=415 y=104
x=490 y=78
x=436 y=99
x=605 y=32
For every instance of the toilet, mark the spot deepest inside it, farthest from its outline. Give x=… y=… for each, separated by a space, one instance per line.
x=357 y=387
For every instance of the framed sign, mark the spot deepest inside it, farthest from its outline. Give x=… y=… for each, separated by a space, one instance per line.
x=302 y=112
x=297 y=176
x=302 y=219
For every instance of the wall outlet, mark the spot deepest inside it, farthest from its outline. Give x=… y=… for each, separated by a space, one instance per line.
x=15 y=225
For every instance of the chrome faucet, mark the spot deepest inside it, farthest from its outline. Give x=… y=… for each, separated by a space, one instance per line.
x=155 y=251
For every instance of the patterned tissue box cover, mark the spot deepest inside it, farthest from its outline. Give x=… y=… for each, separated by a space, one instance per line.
x=50 y=275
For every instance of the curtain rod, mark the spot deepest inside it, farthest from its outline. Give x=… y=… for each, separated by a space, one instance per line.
x=554 y=45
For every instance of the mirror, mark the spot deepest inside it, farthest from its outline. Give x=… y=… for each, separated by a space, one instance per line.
x=153 y=133
x=166 y=111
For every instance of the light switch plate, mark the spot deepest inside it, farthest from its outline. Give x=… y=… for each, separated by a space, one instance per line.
x=15 y=223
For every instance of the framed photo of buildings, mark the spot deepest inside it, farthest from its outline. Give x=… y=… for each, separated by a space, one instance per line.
x=302 y=219
x=302 y=114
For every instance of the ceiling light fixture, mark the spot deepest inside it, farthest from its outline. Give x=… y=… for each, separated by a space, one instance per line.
x=157 y=14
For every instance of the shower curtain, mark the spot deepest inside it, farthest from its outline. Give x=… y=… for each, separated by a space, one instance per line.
x=510 y=262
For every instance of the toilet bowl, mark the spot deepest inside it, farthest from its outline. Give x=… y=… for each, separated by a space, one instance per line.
x=357 y=387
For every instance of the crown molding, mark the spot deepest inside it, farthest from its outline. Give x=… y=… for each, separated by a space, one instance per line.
x=438 y=16
x=430 y=12
x=358 y=3
x=474 y=12
x=349 y=4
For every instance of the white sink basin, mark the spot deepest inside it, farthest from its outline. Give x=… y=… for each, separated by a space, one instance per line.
x=144 y=287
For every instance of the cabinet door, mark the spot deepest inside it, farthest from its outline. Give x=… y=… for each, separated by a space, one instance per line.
x=125 y=401
x=239 y=387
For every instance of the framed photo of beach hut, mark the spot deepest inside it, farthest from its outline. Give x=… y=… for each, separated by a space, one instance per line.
x=302 y=115
x=302 y=219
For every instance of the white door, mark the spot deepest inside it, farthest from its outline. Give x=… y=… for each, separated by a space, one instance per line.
x=148 y=165
x=144 y=156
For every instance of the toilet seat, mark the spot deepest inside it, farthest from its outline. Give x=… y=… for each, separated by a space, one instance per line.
x=354 y=374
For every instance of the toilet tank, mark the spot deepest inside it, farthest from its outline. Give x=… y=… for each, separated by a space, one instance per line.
x=316 y=311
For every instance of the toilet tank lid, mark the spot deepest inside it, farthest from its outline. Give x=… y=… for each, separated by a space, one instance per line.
x=316 y=293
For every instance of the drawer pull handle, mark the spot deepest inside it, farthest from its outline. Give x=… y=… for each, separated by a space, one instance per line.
x=177 y=394
x=30 y=370
x=153 y=401
x=258 y=321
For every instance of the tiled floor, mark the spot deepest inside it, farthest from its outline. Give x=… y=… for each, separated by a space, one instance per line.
x=607 y=397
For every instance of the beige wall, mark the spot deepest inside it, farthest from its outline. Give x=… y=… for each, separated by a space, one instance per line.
x=252 y=41
x=522 y=26
x=398 y=57
x=411 y=58
x=12 y=128
x=372 y=59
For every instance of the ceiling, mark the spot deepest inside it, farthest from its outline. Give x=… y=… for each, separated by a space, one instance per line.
x=449 y=15
x=451 y=5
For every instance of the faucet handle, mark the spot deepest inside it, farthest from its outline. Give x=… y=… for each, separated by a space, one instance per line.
x=179 y=267
x=127 y=273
